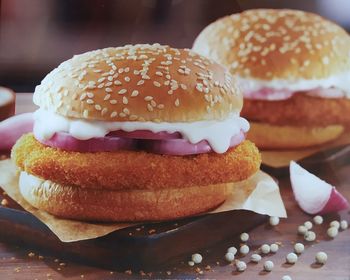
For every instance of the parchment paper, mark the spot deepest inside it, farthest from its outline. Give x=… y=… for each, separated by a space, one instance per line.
x=282 y=158
x=262 y=197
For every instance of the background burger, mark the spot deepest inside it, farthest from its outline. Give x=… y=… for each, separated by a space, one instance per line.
x=293 y=68
x=144 y=132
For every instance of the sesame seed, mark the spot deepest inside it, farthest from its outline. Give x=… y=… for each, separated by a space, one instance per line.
x=157 y=84
x=100 y=80
x=127 y=79
x=148 y=98
x=108 y=84
x=86 y=113
x=125 y=100
x=160 y=106
x=153 y=103
x=177 y=102
x=140 y=82
x=83 y=96
x=159 y=73
x=122 y=91
x=126 y=111
x=104 y=111
x=113 y=101
x=101 y=85
x=149 y=107
x=114 y=114
x=110 y=78
x=135 y=93
x=90 y=94
x=98 y=107
x=117 y=82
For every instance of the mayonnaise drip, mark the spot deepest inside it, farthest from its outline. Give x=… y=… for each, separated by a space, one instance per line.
x=217 y=133
x=340 y=81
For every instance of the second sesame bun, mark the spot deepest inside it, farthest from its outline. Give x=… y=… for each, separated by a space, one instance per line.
x=268 y=44
x=76 y=203
x=268 y=136
x=140 y=83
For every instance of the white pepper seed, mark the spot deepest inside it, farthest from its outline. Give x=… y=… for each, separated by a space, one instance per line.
x=321 y=257
x=274 y=248
x=291 y=258
x=229 y=257
x=308 y=225
x=265 y=249
x=335 y=224
x=241 y=266
x=274 y=221
x=344 y=224
x=286 y=277
x=255 y=258
x=244 y=237
x=332 y=232
x=299 y=248
x=302 y=230
x=268 y=266
x=244 y=249
x=310 y=236
x=318 y=220
x=232 y=250
x=197 y=258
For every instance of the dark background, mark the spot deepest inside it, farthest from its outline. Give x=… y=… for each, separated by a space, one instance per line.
x=36 y=35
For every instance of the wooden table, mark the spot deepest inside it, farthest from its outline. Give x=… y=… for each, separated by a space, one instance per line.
x=18 y=263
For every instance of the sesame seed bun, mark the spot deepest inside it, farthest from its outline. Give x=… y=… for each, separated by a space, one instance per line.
x=140 y=83
x=271 y=44
x=291 y=137
x=77 y=203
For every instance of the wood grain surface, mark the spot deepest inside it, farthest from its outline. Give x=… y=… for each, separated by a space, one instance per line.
x=26 y=263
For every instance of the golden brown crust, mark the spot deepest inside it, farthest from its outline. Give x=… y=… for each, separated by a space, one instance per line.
x=299 y=110
x=140 y=83
x=272 y=137
x=134 y=169
x=277 y=44
x=105 y=205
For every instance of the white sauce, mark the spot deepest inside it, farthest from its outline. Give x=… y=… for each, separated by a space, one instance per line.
x=217 y=133
x=340 y=81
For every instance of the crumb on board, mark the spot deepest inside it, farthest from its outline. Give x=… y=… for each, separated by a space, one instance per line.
x=4 y=202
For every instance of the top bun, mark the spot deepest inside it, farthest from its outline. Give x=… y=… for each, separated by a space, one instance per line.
x=271 y=44
x=140 y=83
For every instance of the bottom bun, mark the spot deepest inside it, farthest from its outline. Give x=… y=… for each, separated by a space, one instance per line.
x=267 y=136
x=105 y=205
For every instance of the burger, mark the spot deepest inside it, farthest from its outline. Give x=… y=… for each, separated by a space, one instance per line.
x=293 y=68
x=135 y=133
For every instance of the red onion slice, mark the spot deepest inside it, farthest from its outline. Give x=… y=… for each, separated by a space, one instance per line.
x=269 y=94
x=283 y=94
x=67 y=142
x=181 y=147
x=13 y=128
x=146 y=134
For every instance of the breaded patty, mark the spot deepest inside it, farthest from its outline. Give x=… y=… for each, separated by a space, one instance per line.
x=299 y=110
x=134 y=169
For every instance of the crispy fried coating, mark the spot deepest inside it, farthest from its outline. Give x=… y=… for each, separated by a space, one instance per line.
x=124 y=170
x=299 y=110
